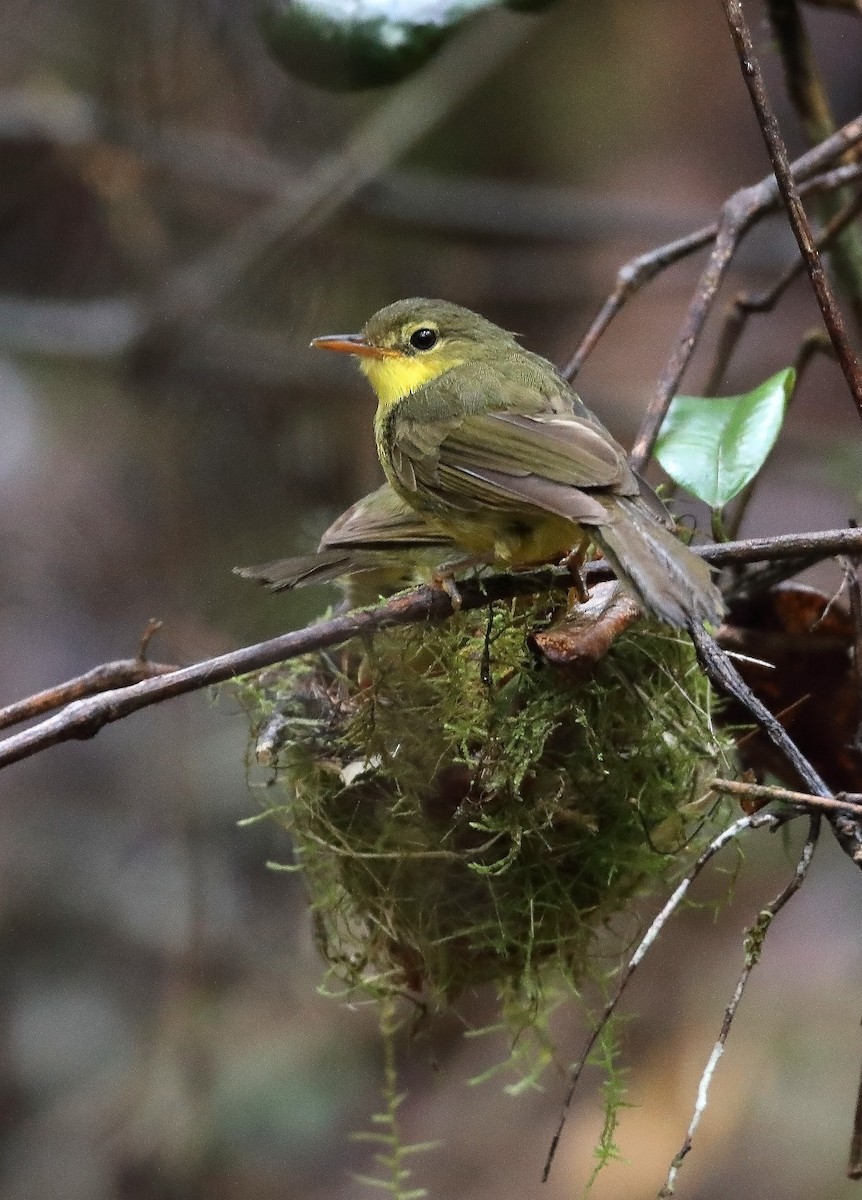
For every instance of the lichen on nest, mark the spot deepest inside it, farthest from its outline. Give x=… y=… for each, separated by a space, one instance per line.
x=464 y=813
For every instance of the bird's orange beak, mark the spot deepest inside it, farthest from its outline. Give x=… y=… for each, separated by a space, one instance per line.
x=352 y=343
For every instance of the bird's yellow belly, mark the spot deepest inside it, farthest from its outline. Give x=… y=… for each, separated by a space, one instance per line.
x=514 y=540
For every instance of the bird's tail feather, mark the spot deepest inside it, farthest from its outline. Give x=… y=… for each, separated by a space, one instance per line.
x=666 y=578
x=323 y=567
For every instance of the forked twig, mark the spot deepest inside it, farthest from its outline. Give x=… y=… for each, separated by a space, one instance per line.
x=747 y=303
x=753 y=821
x=754 y=939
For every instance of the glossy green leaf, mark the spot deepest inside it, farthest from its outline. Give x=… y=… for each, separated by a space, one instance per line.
x=714 y=446
x=347 y=44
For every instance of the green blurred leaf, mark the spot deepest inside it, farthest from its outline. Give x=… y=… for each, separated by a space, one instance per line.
x=345 y=44
x=714 y=446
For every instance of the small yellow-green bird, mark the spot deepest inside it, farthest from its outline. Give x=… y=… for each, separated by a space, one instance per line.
x=494 y=452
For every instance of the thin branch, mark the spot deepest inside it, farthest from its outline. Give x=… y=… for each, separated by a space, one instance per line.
x=753 y=821
x=807 y=91
x=754 y=939
x=799 y=221
x=807 y=547
x=631 y=277
x=84 y=718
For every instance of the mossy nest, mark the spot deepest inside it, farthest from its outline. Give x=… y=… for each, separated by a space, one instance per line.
x=464 y=813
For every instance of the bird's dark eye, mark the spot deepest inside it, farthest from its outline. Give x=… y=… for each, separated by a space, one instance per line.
x=423 y=339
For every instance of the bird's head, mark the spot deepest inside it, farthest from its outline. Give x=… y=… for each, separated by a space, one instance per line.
x=410 y=343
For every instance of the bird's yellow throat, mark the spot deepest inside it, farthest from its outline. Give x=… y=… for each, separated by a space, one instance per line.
x=395 y=377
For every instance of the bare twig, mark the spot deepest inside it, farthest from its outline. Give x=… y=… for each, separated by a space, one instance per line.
x=754 y=821
x=85 y=717
x=631 y=277
x=754 y=939
x=807 y=91
x=119 y=674
x=807 y=547
x=110 y=675
x=636 y=273
x=799 y=221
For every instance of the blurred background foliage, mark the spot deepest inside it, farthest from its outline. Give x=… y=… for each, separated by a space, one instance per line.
x=178 y=216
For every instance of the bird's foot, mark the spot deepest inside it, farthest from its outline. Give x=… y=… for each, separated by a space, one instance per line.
x=445 y=581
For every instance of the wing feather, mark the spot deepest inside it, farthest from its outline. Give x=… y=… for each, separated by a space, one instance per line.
x=381 y=520
x=520 y=442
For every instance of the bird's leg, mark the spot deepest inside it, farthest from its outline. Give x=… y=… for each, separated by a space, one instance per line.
x=573 y=562
x=444 y=575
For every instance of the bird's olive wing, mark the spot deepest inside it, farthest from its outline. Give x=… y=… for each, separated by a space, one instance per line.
x=556 y=447
x=478 y=437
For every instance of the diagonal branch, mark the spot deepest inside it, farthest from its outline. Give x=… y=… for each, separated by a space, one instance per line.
x=724 y=675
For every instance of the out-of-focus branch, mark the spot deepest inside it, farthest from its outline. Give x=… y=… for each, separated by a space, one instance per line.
x=807 y=92
x=409 y=113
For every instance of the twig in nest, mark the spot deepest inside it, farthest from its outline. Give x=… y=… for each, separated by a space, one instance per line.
x=754 y=939
x=753 y=821
x=777 y=151
x=762 y=794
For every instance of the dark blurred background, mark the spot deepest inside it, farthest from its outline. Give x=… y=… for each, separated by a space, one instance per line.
x=178 y=217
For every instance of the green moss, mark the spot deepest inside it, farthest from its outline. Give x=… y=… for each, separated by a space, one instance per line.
x=464 y=814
